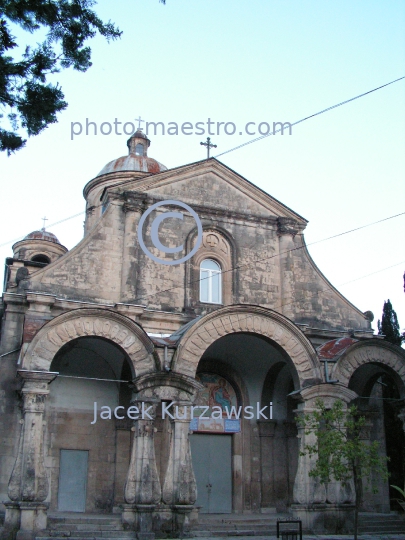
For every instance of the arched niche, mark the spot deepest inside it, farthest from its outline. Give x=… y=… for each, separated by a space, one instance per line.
x=106 y=324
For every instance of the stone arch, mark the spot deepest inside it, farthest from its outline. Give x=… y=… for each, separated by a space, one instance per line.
x=91 y=323
x=364 y=352
x=254 y=320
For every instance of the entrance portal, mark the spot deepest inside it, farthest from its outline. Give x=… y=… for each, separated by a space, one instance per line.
x=212 y=458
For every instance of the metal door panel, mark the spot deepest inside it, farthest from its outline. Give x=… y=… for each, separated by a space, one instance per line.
x=212 y=456
x=72 y=480
x=220 y=501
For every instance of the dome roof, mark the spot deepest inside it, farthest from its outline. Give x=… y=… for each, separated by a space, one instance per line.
x=133 y=163
x=42 y=235
x=137 y=158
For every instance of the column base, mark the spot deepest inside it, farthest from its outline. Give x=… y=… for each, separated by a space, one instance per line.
x=128 y=517
x=23 y=520
x=325 y=518
x=182 y=515
x=144 y=521
x=11 y=521
x=145 y=536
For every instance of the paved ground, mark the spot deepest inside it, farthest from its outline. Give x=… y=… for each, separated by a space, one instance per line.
x=316 y=537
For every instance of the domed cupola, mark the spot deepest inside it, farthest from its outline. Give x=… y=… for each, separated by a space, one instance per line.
x=40 y=247
x=136 y=164
x=137 y=159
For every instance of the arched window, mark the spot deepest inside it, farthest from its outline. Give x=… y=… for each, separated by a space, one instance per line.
x=210 y=282
x=139 y=149
x=41 y=259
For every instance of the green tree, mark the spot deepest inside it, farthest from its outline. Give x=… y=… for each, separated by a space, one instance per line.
x=28 y=101
x=340 y=449
x=389 y=326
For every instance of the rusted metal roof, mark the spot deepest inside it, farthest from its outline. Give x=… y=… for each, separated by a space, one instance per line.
x=133 y=163
x=334 y=348
x=42 y=235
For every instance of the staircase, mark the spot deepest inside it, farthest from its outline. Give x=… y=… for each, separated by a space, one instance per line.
x=62 y=526
x=237 y=524
x=85 y=527
x=381 y=523
x=372 y=525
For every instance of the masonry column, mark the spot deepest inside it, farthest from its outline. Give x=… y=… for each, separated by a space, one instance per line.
x=142 y=488
x=288 y=228
x=133 y=207
x=28 y=486
x=180 y=487
x=321 y=510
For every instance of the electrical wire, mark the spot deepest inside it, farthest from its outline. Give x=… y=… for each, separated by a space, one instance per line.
x=372 y=273
x=248 y=142
x=274 y=256
x=308 y=117
x=240 y=320
x=48 y=226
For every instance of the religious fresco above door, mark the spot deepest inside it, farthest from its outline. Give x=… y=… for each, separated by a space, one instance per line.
x=218 y=403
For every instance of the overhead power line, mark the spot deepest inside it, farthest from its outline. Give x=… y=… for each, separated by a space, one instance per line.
x=371 y=274
x=276 y=255
x=310 y=116
x=246 y=143
x=49 y=226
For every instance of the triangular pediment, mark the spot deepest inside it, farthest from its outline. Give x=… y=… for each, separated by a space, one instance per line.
x=211 y=183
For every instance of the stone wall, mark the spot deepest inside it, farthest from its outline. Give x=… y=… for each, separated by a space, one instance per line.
x=108 y=266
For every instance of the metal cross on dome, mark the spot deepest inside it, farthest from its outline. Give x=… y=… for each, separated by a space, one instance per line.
x=43 y=225
x=139 y=122
x=209 y=145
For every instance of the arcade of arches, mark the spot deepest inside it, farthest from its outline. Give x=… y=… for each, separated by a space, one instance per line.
x=163 y=468
x=93 y=337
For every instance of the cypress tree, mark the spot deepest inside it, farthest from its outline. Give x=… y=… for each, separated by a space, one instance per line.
x=389 y=326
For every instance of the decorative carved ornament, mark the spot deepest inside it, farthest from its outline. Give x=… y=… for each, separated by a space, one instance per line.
x=250 y=319
x=91 y=323
x=215 y=241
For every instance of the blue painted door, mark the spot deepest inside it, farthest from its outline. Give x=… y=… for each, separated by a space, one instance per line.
x=72 y=480
x=212 y=462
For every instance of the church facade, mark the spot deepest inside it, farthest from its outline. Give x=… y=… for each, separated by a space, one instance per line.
x=163 y=391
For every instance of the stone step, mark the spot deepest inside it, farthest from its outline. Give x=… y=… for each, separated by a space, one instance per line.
x=85 y=526
x=383 y=530
x=256 y=519
x=235 y=529
x=116 y=535
x=85 y=519
x=222 y=533
x=133 y=536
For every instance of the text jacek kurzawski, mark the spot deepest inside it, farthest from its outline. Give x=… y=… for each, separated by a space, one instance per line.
x=170 y=410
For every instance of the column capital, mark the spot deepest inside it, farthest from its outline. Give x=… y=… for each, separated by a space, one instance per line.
x=327 y=392
x=36 y=381
x=35 y=389
x=40 y=302
x=289 y=226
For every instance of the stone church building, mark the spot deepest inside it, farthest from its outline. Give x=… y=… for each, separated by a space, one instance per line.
x=94 y=336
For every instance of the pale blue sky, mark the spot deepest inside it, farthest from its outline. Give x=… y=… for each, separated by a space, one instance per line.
x=234 y=61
